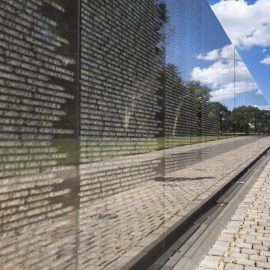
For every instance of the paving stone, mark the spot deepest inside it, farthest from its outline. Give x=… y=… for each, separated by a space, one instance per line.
x=253 y=241
x=229 y=259
x=258 y=258
x=243 y=245
x=253 y=268
x=250 y=251
x=265 y=253
x=248 y=233
x=230 y=266
x=239 y=255
x=260 y=247
x=245 y=262
x=216 y=252
x=263 y=265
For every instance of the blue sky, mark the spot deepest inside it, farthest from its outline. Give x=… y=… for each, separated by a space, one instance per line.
x=200 y=49
x=247 y=23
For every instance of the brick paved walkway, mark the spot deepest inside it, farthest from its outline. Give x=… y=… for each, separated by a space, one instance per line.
x=245 y=242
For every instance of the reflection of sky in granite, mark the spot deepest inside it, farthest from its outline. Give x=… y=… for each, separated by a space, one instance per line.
x=198 y=46
x=191 y=33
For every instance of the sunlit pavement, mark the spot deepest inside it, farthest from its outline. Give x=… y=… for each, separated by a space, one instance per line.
x=244 y=243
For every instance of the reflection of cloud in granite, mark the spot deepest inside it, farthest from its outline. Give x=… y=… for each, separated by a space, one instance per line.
x=225 y=64
x=226 y=53
x=263 y=107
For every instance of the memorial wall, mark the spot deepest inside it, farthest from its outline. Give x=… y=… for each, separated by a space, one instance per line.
x=39 y=116
x=104 y=107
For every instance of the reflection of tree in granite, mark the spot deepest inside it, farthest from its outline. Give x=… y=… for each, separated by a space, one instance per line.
x=263 y=122
x=130 y=110
x=122 y=95
x=249 y=119
x=121 y=89
x=42 y=110
x=176 y=119
x=37 y=197
x=68 y=50
x=219 y=118
x=123 y=79
x=174 y=92
x=183 y=100
x=189 y=110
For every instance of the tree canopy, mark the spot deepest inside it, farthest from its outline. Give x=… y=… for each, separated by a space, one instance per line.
x=193 y=112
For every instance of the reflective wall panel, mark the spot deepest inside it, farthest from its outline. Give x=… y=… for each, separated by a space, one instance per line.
x=117 y=118
x=39 y=113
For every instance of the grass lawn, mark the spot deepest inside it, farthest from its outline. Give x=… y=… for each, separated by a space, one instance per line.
x=17 y=154
x=95 y=149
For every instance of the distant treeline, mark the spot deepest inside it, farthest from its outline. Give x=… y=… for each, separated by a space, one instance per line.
x=190 y=111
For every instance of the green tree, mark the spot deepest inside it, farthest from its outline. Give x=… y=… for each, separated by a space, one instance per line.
x=200 y=99
x=246 y=119
x=218 y=118
x=263 y=122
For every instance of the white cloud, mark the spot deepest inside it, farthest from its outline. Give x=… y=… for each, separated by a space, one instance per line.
x=266 y=60
x=210 y=56
x=230 y=90
x=263 y=107
x=227 y=52
x=226 y=66
x=247 y=25
x=216 y=74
